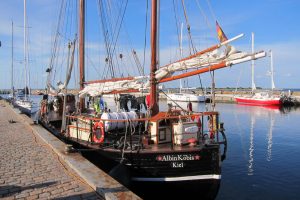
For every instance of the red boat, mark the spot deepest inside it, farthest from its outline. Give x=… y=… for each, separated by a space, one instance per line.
x=260 y=98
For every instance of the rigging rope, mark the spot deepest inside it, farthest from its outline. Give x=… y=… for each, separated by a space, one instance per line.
x=211 y=10
x=176 y=22
x=56 y=43
x=69 y=24
x=188 y=28
x=118 y=32
x=205 y=17
x=111 y=42
x=111 y=22
x=106 y=37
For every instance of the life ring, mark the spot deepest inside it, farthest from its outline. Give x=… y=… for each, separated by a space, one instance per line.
x=98 y=128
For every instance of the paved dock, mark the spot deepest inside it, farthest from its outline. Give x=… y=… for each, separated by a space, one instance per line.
x=29 y=169
x=34 y=165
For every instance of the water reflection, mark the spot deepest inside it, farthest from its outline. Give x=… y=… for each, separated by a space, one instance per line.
x=251 y=147
x=268 y=114
x=270 y=137
x=265 y=116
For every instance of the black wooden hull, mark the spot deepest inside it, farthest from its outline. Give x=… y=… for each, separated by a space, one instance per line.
x=148 y=168
x=201 y=163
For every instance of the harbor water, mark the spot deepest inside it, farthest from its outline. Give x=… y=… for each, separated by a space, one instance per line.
x=263 y=151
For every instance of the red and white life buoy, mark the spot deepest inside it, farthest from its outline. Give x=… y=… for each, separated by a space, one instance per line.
x=98 y=129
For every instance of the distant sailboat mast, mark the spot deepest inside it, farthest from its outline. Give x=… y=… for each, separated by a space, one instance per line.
x=272 y=71
x=24 y=46
x=12 y=59
x=25 y=51
x=252 y=64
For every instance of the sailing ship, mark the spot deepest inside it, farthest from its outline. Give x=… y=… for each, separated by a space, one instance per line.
x=24 y=103
x=264 y=98
x=160 y=147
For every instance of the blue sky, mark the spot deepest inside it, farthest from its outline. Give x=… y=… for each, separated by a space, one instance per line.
x=274 y=22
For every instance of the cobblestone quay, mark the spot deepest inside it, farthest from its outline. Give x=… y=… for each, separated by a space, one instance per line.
x=29 y=169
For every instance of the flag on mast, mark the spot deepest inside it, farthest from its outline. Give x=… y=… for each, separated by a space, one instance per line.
x=221 y=35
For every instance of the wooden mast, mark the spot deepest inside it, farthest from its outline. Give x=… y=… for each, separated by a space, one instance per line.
x=81 y=48
x=154 y=109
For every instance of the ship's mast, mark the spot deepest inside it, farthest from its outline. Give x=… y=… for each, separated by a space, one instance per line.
x=81 y=48
x=154 y=109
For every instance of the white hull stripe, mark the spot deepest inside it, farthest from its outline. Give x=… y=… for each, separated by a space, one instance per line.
x=182 y=178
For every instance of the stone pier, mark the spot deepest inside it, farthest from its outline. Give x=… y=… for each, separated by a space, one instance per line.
x=30 y=169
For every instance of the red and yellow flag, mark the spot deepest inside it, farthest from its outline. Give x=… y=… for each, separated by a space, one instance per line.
x=221 y=35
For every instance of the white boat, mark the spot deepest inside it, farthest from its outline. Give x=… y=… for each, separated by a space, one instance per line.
x=25 y=106
x=186 y=97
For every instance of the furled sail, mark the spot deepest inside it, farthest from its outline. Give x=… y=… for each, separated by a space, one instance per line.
x=96 y=89
x=202 y=60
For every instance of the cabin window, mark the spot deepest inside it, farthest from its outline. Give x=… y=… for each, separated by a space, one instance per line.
x=162 y=136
